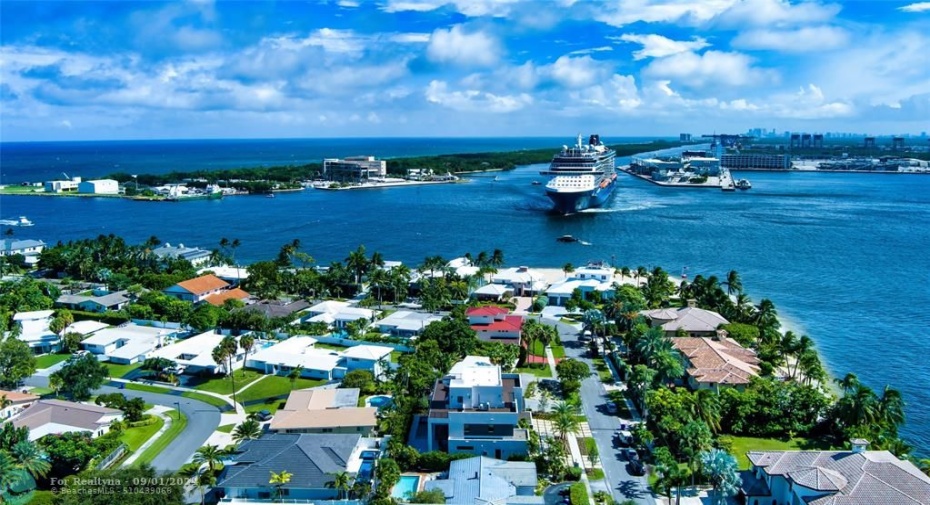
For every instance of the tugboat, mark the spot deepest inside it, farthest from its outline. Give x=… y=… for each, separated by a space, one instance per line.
x=743 y=184
x=566 y=239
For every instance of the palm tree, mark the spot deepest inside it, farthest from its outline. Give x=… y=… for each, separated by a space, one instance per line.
x=733 y=283
x=564 y=421
x=342 y=483
x=497 y=258
x=209 y=454
x=704 y=405
x=358 y=264
x=10 y=473
x=890 y=409
x=246 y=342
x=201 y=480
x=720 y=467
x=29 y=457
x=294 y=374
x=640 y=273
x=250 y=429
x=668 y=365
x=279 y=480
x=624 y=273
x=568 y=268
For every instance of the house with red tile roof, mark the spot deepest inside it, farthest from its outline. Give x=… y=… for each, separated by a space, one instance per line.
x=220 y=298
x=495 y=324
x=198 y=289
x=714 y=362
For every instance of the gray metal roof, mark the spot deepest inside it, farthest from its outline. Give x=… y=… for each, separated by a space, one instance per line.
x=16 y=244
x=481 y=479
x=311 y=458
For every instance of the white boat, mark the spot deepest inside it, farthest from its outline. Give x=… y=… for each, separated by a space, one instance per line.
x=743 y=184
x=22 y=221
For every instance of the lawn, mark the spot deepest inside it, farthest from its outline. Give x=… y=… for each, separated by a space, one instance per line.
x=49 y=360
x=537 y=349
x=603 y=371
x=226 y=428
x=212 y=400
x=395 y=356
x=135 y=437
x=148 y=389
x=558 y=352
x=595 y=474
x=270 y=405
x=223 y=385
x=42 y=391
x=120 y=371
x=542 y=371
x=177 y=426
x=742 y=445
x=275 y=385
x=321 y=345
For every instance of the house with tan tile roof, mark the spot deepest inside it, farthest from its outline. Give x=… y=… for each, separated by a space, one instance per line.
x=17 y=402
x=197 y=289
x=694 y=321
x=856 y=477
x=714 y=362
x=324 y=411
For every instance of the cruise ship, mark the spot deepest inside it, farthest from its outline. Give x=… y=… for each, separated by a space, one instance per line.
x=583 y=176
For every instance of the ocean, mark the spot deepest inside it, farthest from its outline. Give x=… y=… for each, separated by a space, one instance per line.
x=843 y=256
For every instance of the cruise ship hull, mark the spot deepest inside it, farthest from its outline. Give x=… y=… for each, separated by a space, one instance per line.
x=576 y=201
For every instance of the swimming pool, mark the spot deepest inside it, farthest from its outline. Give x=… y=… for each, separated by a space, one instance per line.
x=407 y=486
x=380 y=401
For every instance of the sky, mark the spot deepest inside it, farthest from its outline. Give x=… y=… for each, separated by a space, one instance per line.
x=461 y=68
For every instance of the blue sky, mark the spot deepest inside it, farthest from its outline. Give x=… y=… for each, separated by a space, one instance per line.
x=203 y=69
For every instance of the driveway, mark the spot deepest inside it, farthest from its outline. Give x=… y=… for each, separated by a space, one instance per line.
x=202 y=421
x=553 y=494
x=621 y=484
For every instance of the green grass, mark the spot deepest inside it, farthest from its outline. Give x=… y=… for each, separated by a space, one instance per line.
x=558 y=352
x=226 y=428
x=42 y=391
x=211 y=400
x=595 y=474
x=135 y=437
x=270 y=405
x=603 y=371
x=275 y=385
x=543 y=371
x=120 y=371
x=579 y=494
x=223 y=385
x=537 y=348
x=321 y=345
x=742 y=445
x=177 y=426
x=50 y=360
x=395 y=356
x=148 y=389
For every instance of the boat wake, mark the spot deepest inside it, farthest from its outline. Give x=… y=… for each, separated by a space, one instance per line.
x=582 y=242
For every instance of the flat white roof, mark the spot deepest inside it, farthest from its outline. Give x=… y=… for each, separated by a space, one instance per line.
x=409 y=320
x=33 y=315
x=369 y=352
x=298 y=351
x=475 y=371
x=133 y=349
x=565 y=288
x=85 y=327
x=328 y=307
x=226 y=272
x=200 y=347
x=130 y=331
x=353 y=313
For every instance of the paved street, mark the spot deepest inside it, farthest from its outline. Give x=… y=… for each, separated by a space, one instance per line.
x=603 y=426
x=202 y=420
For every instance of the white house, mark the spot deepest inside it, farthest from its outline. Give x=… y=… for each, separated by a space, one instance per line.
x=17 y=402
x=46 y=417
x=34 y=330
x=315 y=363
x=481 y=480
x=9 y=247
x=101 y=301
x=366 y=357
x=195 y=255
x=523 y=280
x=337 y=314
x=99 y=187
x=406 y=323
x=126 y=344
x=195 y=354
x=475 y=409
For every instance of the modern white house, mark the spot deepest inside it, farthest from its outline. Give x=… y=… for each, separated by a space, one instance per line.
x=198 y=289
x=482 y=480
x=126 y=344
x=832 y=478
x=326 y=364
x=99 y=187
x=366 y=357
x=46 y=417
x=35 y=332
x=9 y=247
x=337 y=314
x=406 y=323
x=195 y=255
x=195 y=354
x=475 y=409
x=523 y=281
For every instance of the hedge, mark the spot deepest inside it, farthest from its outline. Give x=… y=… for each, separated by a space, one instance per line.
x=146 y=421
x=579 y=495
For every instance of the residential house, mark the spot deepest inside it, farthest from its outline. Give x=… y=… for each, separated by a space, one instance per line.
x=194 y=255
x=714 y=362
x=851 y=477
x=337 y=314
x=493 y=293
x=195 y=354
x=17 y=402
x=495 y=324
x=315 y=363
x=35 y=332
x=29 y=248
x=523 y=281
x=587 y=280
x=694 y=321
x=278 y=308
x=475 y=409
x=231 y=274
x=324 y=411
x=366 y=357
x=126 y=344
x=312 y=459
x=84 y=328
x=482 y=480
x=406 y=323
x=47 y=417
x=198 y=289
x=98 y=301
x=219 y=299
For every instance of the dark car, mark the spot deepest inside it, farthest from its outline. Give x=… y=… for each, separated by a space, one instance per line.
x=636 y=468
x=263 y=415
x=631 y=455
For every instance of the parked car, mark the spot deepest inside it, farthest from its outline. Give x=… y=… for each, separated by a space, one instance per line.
x=631 y=455
x=263 y=415
x=636 y=468
x=624 y=438
x=611 y=408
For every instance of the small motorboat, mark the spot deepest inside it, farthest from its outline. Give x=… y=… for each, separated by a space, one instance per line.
x=536 y=183
x=743 y=184
x=22 y=221
x=567 y=239
x=269 y=195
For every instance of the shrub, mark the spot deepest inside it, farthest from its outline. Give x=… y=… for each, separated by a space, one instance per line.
x=578 y=494
x=573 y=474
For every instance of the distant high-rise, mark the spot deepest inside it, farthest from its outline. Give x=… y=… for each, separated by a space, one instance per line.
x=684 y=137
x=869 y=143
x=897 y=143
x=818 y=140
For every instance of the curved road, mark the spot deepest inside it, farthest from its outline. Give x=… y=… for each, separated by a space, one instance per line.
x=202 y=421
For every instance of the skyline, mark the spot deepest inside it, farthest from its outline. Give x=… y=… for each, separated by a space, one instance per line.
x=430 y=68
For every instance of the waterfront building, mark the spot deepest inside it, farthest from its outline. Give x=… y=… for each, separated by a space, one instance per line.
x=712 y=363
x=587 y=280
x=230 y=274
x=33 y=329
x=495 y=324
x=337 y=314
x=476 y=409
x=406 y=323
x=198 y=289
x=857 y=476
x=99 y=187
x=63 y=186
x=312 y=459
x=756 y=161
x=195 y=255
x=354 y=169
x=694 y=321
x=493 y=293
x=523 y=281
x=53 y=417
x=324 y=411
x=482 y=480
x=29 y=248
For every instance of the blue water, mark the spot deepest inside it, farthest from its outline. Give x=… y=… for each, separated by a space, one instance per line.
x=406 y=486
x=379 y=401
x=843 y=256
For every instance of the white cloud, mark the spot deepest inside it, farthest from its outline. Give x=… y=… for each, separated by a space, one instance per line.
x=471 y=8
x=801 y=40
x=618 y=93
x=474 y=100
x=458 y=47
x=916 y=7
x=409 y=38
x=347 y=4
x=591 y=50
x=336 y=41
x=577 y=72
x=657 y=46
x=658 y=11
x=64 y=123
x=713 y=67
x=768 y=13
